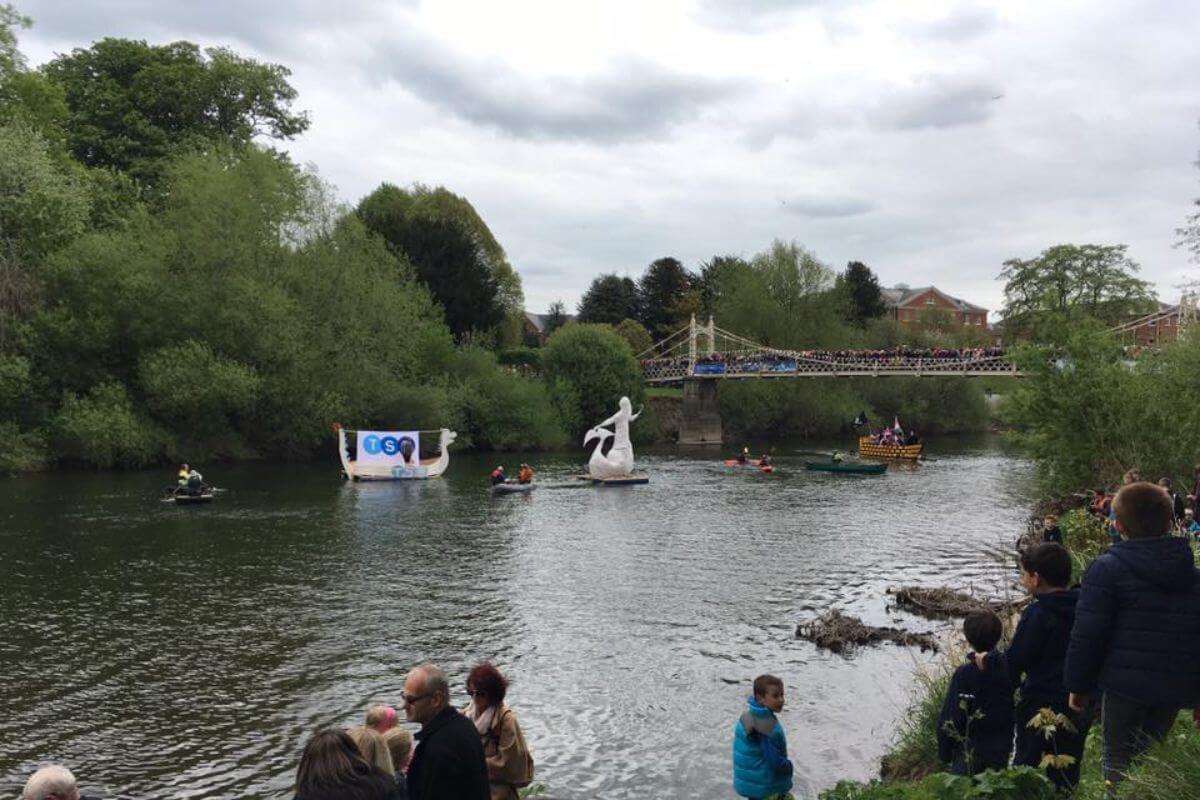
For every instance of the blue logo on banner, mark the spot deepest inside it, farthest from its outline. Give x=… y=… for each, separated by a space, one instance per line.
x=371 y=444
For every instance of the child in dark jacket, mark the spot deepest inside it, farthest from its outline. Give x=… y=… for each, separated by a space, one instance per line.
x=1137 y=629
x=975 y=727
x=1035 y=663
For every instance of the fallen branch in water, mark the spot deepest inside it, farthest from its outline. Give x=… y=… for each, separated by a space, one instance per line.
x=841 y=633
x=939 y=603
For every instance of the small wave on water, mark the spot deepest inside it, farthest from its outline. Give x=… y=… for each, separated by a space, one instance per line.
x=169 y=652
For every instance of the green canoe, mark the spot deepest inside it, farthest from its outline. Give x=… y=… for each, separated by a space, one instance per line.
x=833 y=466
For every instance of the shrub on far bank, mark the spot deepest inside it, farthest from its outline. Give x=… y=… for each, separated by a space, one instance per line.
x=102 y=429
x=588 y=368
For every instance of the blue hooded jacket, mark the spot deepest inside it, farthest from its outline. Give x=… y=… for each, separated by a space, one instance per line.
x=760 y=764
x=1137 y=625
x=988 y=692
x=1039 y=648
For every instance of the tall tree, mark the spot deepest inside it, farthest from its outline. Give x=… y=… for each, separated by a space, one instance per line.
x=556 y=317
x=609 y=299
x=863 y=293
x=447 y=254
x=660 y=291
x=718 y=276
x=133 y=105
x=1070 y=282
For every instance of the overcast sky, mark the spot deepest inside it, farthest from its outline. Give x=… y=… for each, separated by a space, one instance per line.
x=930 y=140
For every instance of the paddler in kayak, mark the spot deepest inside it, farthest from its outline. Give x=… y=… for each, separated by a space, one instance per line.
x=837 y=457
x=498 y=476
x=765 y=461
x=183 y=475
x=743 y=456
x=525 y=475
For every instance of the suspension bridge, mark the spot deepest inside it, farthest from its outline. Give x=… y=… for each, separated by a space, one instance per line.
x=701 y=356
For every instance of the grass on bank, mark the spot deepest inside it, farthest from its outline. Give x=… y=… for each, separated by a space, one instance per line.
x=912 y=771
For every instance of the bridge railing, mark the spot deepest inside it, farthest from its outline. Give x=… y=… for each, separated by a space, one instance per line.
x=668 y=370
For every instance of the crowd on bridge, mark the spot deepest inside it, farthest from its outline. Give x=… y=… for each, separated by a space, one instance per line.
x=790 y=361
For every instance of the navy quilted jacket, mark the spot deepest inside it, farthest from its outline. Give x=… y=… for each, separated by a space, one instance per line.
x=1039 y=646
x=1137 y=624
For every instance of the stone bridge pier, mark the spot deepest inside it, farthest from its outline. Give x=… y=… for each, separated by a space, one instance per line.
x=700 y=417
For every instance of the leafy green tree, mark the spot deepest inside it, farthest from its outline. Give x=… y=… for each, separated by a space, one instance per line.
x=196 y=390
x=633 y=332
x=663 y=286
x=863 y=292
x=133 y=105
x=103 y=429
x=41 y=206
x=24 y=94
x=556 y=317
x=1068 y=283
x=609 y=299
x=448 y=254
x=718 y=277
x=588 y=368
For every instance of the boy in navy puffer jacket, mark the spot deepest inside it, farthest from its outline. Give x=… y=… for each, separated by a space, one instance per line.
x=975 y=728
x=1035 y=663
x=761 y=768
x=1137 y=630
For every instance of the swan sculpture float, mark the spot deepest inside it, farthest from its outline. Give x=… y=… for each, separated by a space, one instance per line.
x=617 y=464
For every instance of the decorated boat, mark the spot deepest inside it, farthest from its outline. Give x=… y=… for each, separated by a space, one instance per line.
x=842 y=466
x=868 y=448
x=391 y=455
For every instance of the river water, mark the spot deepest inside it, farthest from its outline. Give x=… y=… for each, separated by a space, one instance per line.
x=188 y=652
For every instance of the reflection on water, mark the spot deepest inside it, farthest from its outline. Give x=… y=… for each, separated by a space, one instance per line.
x=188 y=652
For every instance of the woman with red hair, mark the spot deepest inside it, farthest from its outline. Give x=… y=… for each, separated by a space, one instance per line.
x=509 y=764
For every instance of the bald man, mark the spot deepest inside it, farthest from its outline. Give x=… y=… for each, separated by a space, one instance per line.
x=52 y=783
x=448 y=763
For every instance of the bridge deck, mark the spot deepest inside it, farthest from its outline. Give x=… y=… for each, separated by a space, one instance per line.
x=676 y=370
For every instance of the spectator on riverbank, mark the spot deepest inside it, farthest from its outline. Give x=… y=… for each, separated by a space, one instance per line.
x=1035 y=664
x=381 y=718
x=399 y=744
x=1050 y=530
x=1176 y=499
x=1137 y=630
x=373 y=749
x=449 y=759
x=53 y=782
x=509 y=764
x=331 y=768
x=761 y=768
x=975 y=727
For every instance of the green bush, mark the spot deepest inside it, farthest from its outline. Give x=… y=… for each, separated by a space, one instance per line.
x=191 y=386
x=588 y=369
x=21 y=451
x=780 y=408
x=103 y=430
x=1015 y=783
x=504 y=411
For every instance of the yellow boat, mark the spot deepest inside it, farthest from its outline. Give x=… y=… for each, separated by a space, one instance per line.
x=867 y=448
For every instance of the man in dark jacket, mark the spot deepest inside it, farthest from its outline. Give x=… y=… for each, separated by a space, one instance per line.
x=1035 y=664
x=448 y=763
x=1137 y=629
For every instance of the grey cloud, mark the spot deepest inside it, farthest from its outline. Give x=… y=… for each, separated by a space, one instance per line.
x=265 y=25
x=937 y=102
x=960 y=25
x=752 y=16
x=635 y=99
x=826 y=207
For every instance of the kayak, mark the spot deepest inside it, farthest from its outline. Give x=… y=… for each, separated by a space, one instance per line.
x=512 y=488
x=733 y=462
x=833 y=466
x=767 y=469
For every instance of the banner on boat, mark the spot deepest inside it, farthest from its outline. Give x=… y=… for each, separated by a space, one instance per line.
x=391 y=449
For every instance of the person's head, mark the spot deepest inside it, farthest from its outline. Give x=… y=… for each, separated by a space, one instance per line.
x=982 y=629
x=1143 y=510
x=768 y=691
x=51 y=783
x=373 y=749
x=330 y=761
x=1188 y=514
x=426 y=692
x=399 y=745
x=1099 y=492
x=1049 y=521
x=486 y=686
x=381 y=718
x=1165 y=483
x=1045 y=567
x=1132 y=476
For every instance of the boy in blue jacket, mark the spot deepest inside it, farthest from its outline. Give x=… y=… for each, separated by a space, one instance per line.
x=1137 y=630
x=1035 y=663
x=975 y=727
x=761 y=768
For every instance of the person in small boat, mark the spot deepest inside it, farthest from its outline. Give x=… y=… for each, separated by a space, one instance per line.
x=837 y=457
x=765 y=461
x=195 y=483
x=183 y=475
x=743 y=456
x=525 y=475
x=912 y=438
x=498 y=476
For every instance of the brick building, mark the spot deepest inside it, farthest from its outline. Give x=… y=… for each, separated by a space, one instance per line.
x=1158 y=327
x=910 y=306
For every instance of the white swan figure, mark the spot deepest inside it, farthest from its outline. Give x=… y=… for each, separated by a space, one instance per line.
x=619 y=461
